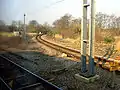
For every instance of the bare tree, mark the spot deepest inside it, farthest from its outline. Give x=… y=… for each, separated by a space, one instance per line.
x=99 y=20
x=118 y=22
x=63 y=22
x=3 y=26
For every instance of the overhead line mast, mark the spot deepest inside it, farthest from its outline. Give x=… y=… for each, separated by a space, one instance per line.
x=92 y=39
x=87 y=73
x=84 y=37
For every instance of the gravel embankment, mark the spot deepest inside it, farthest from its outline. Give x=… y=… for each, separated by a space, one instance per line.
x=53 y=69
x=61 y=71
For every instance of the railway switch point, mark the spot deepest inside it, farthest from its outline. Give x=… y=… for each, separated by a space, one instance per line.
x=87 y=79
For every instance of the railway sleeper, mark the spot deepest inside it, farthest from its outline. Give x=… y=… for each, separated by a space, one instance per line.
x=99 y=60
x=19 y=78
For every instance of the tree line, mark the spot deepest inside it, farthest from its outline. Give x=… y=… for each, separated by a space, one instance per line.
x=65 y=25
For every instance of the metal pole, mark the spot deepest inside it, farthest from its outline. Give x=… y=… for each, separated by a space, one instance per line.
x=92 y=39
x=19 y=25
x=84 y=37
x=19 y=28
x=24 y=29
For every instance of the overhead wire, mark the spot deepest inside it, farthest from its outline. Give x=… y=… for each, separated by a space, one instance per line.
x=54 y=3
x=47 y=7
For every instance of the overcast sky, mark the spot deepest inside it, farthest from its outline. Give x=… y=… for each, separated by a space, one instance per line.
x=42 y=11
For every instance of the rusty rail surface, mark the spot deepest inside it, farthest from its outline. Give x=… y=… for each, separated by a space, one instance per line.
x=102 y=61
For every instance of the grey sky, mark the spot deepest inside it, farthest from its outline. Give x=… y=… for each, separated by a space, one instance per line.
x=36 y=9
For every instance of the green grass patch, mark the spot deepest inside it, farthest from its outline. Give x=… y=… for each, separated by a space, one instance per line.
x=8 y=34
x=109 y=39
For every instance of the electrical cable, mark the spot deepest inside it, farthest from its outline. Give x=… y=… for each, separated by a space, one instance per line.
x=54 y=3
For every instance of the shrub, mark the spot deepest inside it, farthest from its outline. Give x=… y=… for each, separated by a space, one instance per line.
x=52 y=32
x=109 y=39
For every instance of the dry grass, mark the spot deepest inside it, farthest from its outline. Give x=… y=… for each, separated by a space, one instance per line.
x=100 y=45
x=118 y=45
x=12 y=42
x=98 y=36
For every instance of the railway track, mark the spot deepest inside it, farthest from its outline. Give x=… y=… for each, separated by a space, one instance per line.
x=102 y=61
x=15 y=77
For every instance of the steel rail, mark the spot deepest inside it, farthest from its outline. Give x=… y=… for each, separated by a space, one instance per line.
x=45 y=83
x=74 y=52
x=69 y=51
x=5 y=86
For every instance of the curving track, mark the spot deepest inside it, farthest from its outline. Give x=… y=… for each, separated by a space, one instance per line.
x=104 y=62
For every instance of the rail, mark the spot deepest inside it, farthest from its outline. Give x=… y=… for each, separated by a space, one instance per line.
x=21 y=78
x=107 y=63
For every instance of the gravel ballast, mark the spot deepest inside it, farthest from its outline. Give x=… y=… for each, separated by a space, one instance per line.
x=61 y=72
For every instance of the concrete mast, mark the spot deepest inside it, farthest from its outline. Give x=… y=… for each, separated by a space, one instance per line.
x=92 y=38
x=84 y=37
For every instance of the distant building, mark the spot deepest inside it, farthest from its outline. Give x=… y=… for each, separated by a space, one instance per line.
x=40 y=33
x=16 y=33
